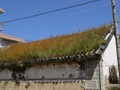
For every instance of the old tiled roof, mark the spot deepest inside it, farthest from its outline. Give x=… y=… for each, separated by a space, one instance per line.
x=12 y=38
x=82 y=43
x=77 y=47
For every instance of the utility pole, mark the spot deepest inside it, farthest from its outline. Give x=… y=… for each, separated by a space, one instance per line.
x=116 y=34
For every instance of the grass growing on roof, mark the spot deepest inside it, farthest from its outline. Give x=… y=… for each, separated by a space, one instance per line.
x=58 y=46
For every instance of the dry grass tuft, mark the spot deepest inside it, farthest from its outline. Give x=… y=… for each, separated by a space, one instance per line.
x=57 y=46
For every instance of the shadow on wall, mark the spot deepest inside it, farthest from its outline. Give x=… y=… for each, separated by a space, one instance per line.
x=87 y=70
x=90 y=69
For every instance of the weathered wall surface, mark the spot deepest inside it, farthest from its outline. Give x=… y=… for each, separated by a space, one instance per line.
x=52 y=71
x=92 y=73
x=10 y=85
x=5 y=74
x=87 y=72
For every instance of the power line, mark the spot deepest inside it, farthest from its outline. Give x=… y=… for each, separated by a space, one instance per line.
x=86 y=10
x=52 y=11
x=89 y=9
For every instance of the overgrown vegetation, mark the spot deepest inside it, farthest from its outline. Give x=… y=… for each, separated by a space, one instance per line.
x=57 y=46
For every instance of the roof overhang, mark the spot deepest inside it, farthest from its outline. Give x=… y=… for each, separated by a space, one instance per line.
x=11 y=38
x=1 y=11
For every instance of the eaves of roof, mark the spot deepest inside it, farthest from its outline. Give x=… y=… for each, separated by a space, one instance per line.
x=103 y=46
x=12 y=38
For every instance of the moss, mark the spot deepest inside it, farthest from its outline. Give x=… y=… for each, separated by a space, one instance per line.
x=102 y=42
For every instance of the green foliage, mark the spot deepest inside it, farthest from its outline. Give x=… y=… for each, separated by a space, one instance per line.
x=102 y=42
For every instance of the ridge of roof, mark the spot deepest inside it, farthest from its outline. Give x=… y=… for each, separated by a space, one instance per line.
x=12 y=38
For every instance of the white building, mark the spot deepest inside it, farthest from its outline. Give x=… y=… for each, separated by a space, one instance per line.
x=6 y=40
x=94 y=70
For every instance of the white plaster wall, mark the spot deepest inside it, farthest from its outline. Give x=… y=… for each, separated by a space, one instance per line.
x=53 y=71
x=88 y=74
x=109 y=57
x=5 y=74
x=48 y=72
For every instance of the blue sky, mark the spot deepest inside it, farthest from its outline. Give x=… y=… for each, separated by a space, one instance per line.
x=58 y=23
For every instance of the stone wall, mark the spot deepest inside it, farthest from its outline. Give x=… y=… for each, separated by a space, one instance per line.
x=36 y=85
x=86 y=72
x=92 y=73
x=52 y=71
